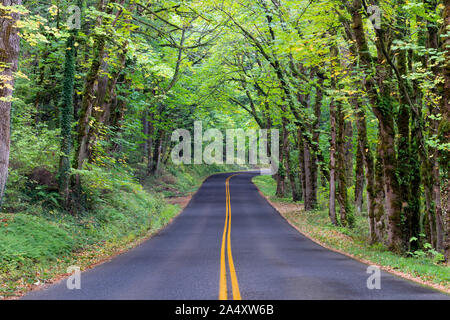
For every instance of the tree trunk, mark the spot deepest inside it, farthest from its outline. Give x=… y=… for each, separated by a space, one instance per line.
x=281 y=175
x=150 y=139
x=333 y=145
x=88 y=104
x=348 y=151
x=333 y=148
x=341 y=168
x=444 y=127
x=296 y=193
x=392 y=192
x=89 y=96
x=379 y=193
x=367 y=157
x=66 y=121
x=315 y=139
x=301 y=160
x=9 y=54
x=155 y=163
x=309 y=201
x=289 y=170
x=406 y=169
x=382 y=107
x=430 y=159
x=145 y=133
x=359 y=179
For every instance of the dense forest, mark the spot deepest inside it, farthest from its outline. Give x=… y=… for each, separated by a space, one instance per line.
x=90 y=92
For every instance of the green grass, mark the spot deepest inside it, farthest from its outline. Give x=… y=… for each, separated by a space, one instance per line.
x=267 y=185
x=354 y=241
x=37 y=245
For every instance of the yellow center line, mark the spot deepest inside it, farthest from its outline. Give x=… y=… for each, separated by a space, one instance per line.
x=227 y=235
x=223 y=272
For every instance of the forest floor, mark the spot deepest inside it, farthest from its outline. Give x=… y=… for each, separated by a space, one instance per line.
x=38 y=246
x=353 y=242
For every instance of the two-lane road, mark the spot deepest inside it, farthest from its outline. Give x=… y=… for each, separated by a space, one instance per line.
x=230 y=243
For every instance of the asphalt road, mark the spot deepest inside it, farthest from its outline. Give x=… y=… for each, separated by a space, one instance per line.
x=264 y=258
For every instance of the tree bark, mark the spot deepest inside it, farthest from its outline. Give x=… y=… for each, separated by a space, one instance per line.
x=280 y=176
x=379 y=193
x=382 y=107
x=333 y=148
x=88 y=104
x=341 y=168
x=296 y=193
x=367 y=157
x=444 y=127
x=289 y=170
x=308 y=200
x=359 y=179
x=66 y=121
x=9 y=54
x=301 y=161
x=333 y=145
x=89 y=96
x=315 y=139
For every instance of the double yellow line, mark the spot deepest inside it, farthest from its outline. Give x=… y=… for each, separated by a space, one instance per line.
x=226 y=242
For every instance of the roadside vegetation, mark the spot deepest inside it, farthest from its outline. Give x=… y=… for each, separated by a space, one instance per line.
x=39 y=240
x=426 y=266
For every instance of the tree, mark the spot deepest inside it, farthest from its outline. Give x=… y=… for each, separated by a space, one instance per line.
x=66 y=119
x=9 y=54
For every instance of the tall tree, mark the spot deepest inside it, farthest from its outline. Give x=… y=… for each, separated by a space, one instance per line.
x=444 y=129
x=66 y=119
x=9 y=54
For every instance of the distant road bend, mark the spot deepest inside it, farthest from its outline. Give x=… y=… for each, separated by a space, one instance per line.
x=229 y=243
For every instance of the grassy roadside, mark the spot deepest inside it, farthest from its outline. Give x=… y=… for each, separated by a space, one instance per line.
x=316 y=226
x=37 y=245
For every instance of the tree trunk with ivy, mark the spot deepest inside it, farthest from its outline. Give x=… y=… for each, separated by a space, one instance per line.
x=88 y=103
x=359 y=179
x=315 y=139
x=444 y=127
x=333 y=149
x=368 y=160
x=379 y=95
x=9 y=54
x=90 y=92
x=301 y=162
x=66 y=111
x=280 y=176
x=341 y=167
x=287 y=161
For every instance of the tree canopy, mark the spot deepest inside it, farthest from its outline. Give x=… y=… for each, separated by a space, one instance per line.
x=359 y=90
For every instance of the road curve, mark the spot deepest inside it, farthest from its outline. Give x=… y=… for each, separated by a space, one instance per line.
x=271 y=260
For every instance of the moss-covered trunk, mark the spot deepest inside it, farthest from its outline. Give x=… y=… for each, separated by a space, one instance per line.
x=89 y=94
x=315 y=139
x=301 y=161
x=280 y=176
x=341 y=167
x=444 y=128
x=66 y=119
x=287 y=162
x=367 y=158
x=359 y=179
x=9 y=54
x=333 y=147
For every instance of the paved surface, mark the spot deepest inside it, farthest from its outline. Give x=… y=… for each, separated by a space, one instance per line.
x=271 y=259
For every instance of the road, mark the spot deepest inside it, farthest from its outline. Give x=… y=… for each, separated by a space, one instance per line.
x=232 y=245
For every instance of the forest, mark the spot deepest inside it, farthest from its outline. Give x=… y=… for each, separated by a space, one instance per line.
x=91 y=91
